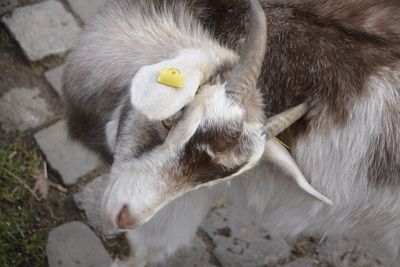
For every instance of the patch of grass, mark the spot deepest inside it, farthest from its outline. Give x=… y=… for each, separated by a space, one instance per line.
x=22 y=241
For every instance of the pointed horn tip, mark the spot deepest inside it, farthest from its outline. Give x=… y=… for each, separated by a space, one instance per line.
x=309 y=189
x=256 y=6
x=259 y=17
x=274 y=152
x=324 y=200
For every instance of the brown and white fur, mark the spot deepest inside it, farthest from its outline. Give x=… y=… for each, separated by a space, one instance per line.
x=342 y=58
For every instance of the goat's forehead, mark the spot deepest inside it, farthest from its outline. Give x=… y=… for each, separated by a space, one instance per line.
x=219 y=108
x=214 y=123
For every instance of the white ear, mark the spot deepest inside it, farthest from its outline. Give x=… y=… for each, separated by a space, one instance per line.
x=276 y=154
x=158 y=101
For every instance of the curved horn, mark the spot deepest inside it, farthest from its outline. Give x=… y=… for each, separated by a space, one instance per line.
x=245 y=74
x=280 y=122
x=281 y=159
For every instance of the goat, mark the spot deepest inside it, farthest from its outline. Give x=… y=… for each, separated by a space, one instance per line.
x=331 y=68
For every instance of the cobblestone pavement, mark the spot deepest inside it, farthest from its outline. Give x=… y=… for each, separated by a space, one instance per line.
x=48 y=29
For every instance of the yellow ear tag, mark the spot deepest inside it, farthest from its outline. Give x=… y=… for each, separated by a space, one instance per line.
x=172 y=77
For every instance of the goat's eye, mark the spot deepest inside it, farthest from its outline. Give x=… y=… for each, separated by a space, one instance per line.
x=168 y=124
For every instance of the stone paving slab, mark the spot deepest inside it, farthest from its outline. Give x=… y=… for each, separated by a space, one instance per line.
x=22 y=109
x=74 y=244
x=301 y=262
x=240 y=242
x=43 y=29
x=54 y=77
x=340 y=252
x=69 y=158
x=86 y=9
x=89 y=199
x=194 y=256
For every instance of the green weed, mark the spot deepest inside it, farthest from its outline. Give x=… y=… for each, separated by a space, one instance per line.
x=21 y=241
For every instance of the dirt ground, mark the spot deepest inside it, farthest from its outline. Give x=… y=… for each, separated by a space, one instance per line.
x=25 y=219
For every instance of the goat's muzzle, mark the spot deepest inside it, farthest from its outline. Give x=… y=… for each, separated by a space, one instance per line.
x=125 y=220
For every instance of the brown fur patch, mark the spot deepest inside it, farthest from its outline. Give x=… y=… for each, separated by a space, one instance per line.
x=384 y=165
x=198 y=167
x=323 y=52
x=309 y=59
x=378 y=18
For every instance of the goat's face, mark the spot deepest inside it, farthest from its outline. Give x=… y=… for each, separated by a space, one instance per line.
x=227 y=140
x=216 y=137
x=210 y=141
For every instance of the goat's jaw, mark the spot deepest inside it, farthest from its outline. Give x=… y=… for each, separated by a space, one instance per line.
x=139 y=189
x=131 y=201
x=128 y=215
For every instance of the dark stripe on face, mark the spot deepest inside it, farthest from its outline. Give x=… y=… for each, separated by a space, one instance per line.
x=198 y=166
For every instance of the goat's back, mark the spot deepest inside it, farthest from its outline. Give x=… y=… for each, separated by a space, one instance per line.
x=341 y=56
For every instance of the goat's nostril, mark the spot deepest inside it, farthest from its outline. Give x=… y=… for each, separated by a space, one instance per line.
x=124 y=219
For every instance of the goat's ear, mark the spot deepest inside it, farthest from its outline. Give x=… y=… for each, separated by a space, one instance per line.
x=158 y=101
x=280 y=158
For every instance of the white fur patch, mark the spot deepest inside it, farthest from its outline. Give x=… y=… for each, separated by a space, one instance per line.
x=335 y=161
x=219 y=109
x=112 y=129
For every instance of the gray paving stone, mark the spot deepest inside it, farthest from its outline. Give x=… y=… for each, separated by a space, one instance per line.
x=54 y=77
x=69 y=158
x=43 y=29
x=301 y=262
x=75 y=245
x=86 y=9
x=340 y=252
x=22 y=109
x=89 y=199
x=195 y=256
x=241 y=242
